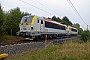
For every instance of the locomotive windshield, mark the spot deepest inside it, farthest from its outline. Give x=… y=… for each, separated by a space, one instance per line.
x=27 y=19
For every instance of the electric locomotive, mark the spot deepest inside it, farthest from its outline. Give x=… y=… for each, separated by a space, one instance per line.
x=33 y=26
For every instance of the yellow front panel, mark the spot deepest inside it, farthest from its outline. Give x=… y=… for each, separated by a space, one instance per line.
x=33 y=20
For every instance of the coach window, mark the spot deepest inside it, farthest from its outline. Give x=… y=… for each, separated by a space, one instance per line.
x=41 y=22
x=38 y=21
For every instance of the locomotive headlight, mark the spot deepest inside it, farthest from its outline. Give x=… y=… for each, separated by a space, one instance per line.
x=26 y=23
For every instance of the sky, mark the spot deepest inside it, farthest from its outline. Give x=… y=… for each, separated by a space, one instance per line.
x=59 y=8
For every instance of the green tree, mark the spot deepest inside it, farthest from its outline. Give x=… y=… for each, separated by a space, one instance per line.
x=80 y=31
x=86 y=35
x=1 y=20
x=66 y=21
x=76 y=25
x=13 y=18
x=56 y=19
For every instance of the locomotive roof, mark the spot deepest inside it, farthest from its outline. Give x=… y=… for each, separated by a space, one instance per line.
x=28 y=15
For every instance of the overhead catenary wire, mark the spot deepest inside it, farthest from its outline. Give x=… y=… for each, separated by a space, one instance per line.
x=47 y=7
x=35 y=7
x=72 y=5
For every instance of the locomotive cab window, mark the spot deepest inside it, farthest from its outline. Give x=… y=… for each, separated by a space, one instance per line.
x=27 y=19
x=41 y=22
x=38 y=21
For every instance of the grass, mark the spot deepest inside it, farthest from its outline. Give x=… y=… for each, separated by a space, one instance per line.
x=8 y=38
x=70 y=50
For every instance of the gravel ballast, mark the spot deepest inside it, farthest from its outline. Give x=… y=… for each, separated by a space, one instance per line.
x=19 y=48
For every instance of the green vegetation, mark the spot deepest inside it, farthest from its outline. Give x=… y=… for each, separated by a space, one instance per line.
x=8 y=38
x=86 y=35
x=1 y=21
x=12 y=21
x=9 y=21
x=56 y=19
x=71 y=50
x=66 y=21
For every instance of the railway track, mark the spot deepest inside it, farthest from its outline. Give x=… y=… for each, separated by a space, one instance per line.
x=29 y=41
x=23 y=42
x=19 y=42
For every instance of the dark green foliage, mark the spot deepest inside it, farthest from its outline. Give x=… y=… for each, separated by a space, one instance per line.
x=86 y=35
x=80 y=31
x=66 y=21
x=13 y=20
x=9 y=20
x=76 y=25
x=56 y=19
x=1 y=20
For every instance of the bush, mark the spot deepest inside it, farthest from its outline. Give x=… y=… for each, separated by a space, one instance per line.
x=86 y=35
